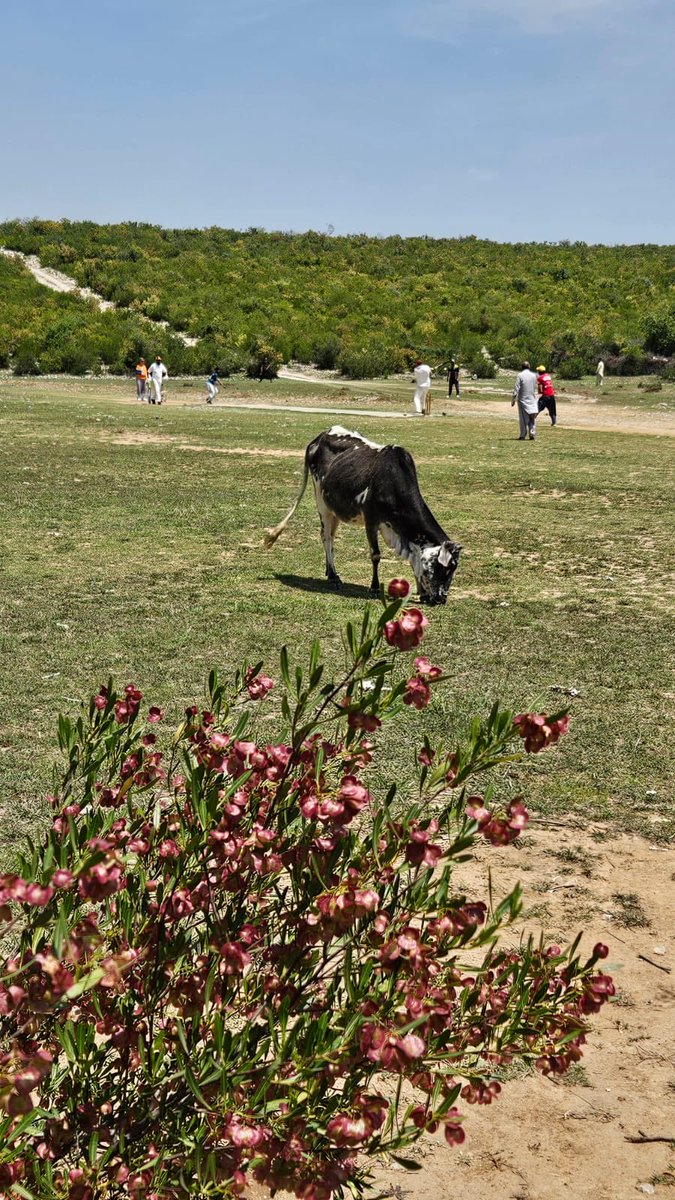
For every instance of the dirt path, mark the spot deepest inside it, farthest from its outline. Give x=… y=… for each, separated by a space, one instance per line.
x=545 y=1140
x=56 y=281
x=570 y=414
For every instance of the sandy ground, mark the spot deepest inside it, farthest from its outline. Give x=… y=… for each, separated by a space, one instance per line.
x=573 y=412
x=545 y=1140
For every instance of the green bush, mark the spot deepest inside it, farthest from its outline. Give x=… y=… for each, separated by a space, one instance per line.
x=367 y=362
x=233 y=957
x=482 y=368
x=659 y=332
x=327 y=354
x=572 y=368
x=264 y=361
x=25 y=359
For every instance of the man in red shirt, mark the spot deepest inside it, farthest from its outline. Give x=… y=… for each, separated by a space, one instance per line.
x=546 y=393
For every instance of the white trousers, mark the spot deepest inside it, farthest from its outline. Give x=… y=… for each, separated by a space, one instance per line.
x=420 y=397
x=157 y=389
x=212 y=390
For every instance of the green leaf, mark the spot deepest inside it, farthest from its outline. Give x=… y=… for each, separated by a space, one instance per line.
x=85 y=985
x=409 y=1164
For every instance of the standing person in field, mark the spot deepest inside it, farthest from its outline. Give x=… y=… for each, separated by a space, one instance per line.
x=453 y=378
x=141 y=374
x=422 y=397
x=600 y=373
x=158 y=373
x=546 y=394
x=525 y=396
x=212 y=387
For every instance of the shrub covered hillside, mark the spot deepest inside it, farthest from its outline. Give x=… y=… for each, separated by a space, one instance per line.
x=368 y=304
x=43 y=332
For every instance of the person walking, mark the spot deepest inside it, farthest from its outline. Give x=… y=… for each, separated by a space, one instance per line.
x=141 y=374
x=600 y=373
x=212 y=387
x=422 y=397
x=158 y=373
x=525 y=396
x=453 y=378
x=546 y=394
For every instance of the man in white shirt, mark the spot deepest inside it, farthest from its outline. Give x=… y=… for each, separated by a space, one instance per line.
x=525 y=396
x=600 y=373
x=158 y=373
x=422 y=375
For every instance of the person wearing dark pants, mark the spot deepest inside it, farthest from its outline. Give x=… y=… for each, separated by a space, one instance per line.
x=546 y=394
x=453 y=378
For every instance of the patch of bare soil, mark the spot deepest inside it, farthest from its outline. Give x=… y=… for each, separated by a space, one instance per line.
x=141 y=438
x=543 y=1139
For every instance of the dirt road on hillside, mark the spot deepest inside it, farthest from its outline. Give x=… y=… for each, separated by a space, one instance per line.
x=56 y=281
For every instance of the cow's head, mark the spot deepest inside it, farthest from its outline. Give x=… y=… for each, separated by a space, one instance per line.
x=438 y=565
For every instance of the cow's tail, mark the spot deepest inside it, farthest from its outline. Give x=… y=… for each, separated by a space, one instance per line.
x=272 y=534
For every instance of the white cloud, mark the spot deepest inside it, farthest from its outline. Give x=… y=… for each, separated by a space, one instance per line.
x=440 y=18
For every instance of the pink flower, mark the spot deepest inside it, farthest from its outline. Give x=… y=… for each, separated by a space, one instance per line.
x=408 y=631
x=538 y=731
x=419 y=851
x=454 y=1134
x=417 y=693
x=398 y=589
x=234 y=959
x=168 y=849
x=63 y=878
x=353 y=795
x=359 y=720
x=348 y=1131
x=100 y=881
x=258 y=686
x=38 y=894
x=127 y=710
x=245 y=1137
x=600 y=950
x=426 y=670
x=155 y=714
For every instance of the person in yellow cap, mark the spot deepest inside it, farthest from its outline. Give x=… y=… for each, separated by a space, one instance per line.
x=546 y=394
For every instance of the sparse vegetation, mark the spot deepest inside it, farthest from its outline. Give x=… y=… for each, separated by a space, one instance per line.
x=631 y=914
x=368 y=305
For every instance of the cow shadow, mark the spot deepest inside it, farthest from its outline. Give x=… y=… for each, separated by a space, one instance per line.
x=353 y=591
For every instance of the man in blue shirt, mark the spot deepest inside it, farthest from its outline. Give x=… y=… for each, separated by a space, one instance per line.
x=211 y=388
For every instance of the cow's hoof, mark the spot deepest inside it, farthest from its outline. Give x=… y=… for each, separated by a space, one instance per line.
x=375 y=592
x=335 y=582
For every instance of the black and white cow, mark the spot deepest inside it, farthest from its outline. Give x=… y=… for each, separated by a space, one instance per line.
x=358 y=481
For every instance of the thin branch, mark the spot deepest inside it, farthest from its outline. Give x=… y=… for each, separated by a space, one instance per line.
x=659 y=966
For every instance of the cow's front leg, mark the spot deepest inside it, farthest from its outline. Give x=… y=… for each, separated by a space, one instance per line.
x=329 y=524
x=375 y=556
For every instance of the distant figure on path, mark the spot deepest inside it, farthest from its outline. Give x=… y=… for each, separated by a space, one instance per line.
x=141 y=374
x=546 y=394
x=600 y=373
x=158 y=373
x=212 y=387
x=453 y=378
x=525 y=396
x=422 y=398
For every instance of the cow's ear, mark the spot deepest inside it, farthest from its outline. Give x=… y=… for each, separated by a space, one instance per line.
x=445 y=554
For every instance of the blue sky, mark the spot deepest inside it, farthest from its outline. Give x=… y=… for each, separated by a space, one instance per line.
x=511 y=119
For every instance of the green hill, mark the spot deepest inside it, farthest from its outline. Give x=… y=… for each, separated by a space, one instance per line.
x=45 y=332
x=369 y=304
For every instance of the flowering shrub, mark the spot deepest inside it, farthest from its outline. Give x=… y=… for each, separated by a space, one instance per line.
x=230 y=961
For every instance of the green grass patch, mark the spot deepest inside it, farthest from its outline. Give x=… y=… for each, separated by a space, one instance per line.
x=131 y=543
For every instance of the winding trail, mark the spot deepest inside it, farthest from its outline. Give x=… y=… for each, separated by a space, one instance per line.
x=56 y=281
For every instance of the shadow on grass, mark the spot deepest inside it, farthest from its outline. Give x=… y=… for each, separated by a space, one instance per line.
x=304 y=583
